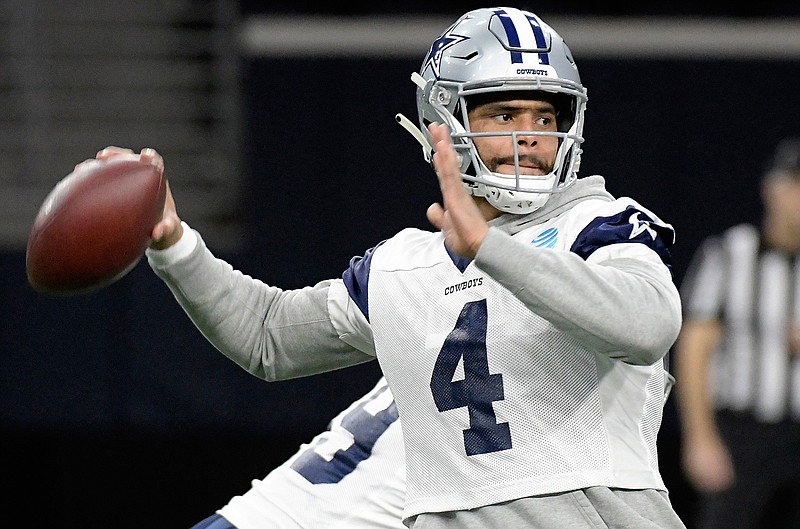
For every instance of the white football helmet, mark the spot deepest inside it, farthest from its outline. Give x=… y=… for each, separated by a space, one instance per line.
x=491 y=50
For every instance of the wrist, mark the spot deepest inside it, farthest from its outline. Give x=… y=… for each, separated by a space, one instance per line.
x=176 y=251
x=169 y=237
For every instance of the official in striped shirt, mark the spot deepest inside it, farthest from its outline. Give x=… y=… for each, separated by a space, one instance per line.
x=738 y=363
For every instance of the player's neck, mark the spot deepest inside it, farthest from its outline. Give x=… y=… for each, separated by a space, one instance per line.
x=488 y=211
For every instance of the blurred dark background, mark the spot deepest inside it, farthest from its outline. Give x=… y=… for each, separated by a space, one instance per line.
x=115 y=411
x=771 y=8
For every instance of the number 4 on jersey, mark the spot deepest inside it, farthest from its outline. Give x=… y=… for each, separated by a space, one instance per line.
x=478 y=389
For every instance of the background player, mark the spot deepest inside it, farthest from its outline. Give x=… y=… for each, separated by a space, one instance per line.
x=738 y=359
x=351 y=476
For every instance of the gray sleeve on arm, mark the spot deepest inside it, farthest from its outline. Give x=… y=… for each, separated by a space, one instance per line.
x=274 y=334
x=621 y=303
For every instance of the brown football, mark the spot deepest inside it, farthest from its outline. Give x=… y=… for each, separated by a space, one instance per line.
x=94 y=225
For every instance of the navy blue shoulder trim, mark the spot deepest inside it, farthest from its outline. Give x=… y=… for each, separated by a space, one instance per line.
x=356 y=279
x=630 y=225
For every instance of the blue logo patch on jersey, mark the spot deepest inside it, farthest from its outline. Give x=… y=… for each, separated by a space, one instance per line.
x=630 y=225
x=546 y=239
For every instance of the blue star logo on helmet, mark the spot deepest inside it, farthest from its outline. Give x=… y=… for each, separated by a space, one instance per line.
x=546 y=239
x=434 y=58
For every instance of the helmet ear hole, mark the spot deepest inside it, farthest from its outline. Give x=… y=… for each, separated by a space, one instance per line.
x=566 y=106
x=564 y=173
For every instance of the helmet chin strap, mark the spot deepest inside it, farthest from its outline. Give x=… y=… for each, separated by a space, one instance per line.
x=427 y=150
x=494 y=197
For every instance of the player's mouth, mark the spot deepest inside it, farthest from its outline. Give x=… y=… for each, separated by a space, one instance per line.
x=527 y=166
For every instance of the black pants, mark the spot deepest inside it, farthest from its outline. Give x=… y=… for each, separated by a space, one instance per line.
x=766 y=494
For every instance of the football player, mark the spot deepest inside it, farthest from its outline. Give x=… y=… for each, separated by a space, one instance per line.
x=523 y=339
x=351 y=476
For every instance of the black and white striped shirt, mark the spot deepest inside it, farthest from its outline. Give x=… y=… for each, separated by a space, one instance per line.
x=755 y=292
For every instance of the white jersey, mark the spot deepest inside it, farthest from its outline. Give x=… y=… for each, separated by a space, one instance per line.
x=497 y=402
x=350 y=477
x=536 y=368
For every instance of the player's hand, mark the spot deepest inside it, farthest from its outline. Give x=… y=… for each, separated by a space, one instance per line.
x=794 y=338
x=708 y=465
x=458 y=216
x=168 y=230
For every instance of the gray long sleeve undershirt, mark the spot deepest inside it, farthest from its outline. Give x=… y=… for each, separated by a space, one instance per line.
x=621 y=308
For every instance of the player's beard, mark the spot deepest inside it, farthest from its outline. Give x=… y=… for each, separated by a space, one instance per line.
x=527 y=160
